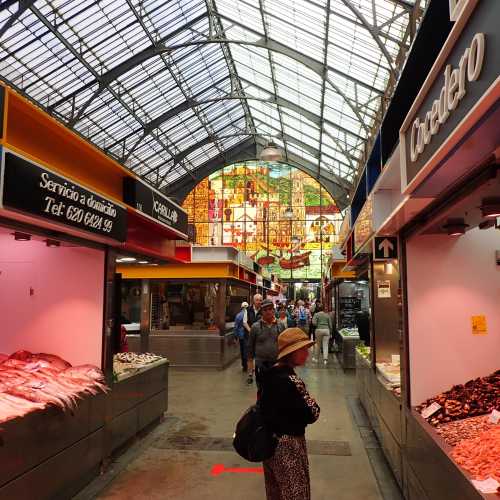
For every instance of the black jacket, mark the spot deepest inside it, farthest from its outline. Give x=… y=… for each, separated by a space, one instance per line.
x=252 y=316
x=287 y=406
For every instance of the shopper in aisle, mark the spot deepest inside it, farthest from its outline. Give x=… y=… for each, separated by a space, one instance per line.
x=283 y=317
x=253 y=313
x=288 y=409
x=241 y=331
x=263 y=343
x=302 y=316
x=322 y=322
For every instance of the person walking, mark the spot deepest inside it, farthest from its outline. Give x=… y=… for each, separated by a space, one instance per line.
x=288 y=409
x=253 y=313
x=263 y=343
x=284 y=317
x=302 y=316
x=241 y=331
x=322 y=322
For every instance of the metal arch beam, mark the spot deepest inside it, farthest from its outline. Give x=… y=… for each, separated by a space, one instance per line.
x=72 y=50
x=374 y=32
x=24 y=5
x=160 y=48
x=312 y=117
x=312 y=64
x=247 y=150
x=106 y=78
x=179 y=189
x=188 y=104
x=273 y=75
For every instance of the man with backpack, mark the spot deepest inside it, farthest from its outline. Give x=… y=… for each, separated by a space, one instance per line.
x=263 y=343
x=241 y=330
x=302 y=317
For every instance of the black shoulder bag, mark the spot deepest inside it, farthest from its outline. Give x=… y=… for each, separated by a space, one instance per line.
x=253 y=439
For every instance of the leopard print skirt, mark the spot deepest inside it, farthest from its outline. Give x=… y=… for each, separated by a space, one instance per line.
x=287 y=472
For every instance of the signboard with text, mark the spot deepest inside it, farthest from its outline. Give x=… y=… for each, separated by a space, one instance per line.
x=155 y=205
x=35 y=190
x=464 y=74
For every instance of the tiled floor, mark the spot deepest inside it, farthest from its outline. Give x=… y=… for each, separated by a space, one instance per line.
x=207 y=404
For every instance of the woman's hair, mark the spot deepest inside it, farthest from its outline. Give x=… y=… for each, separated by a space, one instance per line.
x=319 y=307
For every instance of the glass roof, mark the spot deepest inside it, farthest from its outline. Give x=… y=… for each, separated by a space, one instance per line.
x=165 y=86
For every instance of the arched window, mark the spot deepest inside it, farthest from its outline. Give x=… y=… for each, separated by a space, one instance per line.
x=277 y=214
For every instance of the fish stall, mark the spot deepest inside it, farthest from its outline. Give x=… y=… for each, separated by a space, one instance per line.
x=63 y=223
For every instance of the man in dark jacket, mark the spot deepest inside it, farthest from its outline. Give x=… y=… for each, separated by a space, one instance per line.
x=254 y=311
x=263 y=343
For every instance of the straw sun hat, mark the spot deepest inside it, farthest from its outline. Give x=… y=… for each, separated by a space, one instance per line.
x=292 y=339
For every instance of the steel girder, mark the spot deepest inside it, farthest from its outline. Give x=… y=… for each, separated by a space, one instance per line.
x=247 y=150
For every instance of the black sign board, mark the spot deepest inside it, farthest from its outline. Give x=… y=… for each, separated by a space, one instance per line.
x=348 y=307
x=385 y=247
x=31 y=189
x=466 y=74
x=154 y=204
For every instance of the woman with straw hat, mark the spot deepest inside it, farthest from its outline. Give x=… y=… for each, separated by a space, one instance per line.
x=288 y=409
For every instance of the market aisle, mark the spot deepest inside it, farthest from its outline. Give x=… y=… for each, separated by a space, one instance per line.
x=206 y=404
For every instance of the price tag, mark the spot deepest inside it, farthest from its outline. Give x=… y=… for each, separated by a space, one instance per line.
x=494 y=417
x=489 y=485
x=430 y=410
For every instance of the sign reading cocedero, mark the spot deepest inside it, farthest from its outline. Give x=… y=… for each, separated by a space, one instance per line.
x=35 y=190
x=155 y=205
x=452 y=92
x=464 y=74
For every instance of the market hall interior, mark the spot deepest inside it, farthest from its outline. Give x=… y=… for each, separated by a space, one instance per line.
x=181 y=181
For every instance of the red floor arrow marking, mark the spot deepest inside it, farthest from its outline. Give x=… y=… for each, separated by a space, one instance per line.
x=218 y=469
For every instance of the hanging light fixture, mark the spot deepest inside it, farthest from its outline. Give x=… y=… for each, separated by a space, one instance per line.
x=455 y=227
x=490 y=207
x=271 y=152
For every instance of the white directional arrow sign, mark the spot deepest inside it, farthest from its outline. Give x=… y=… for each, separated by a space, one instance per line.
x=386 y=246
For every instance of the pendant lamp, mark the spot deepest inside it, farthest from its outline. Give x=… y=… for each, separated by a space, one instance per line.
x=271 y=152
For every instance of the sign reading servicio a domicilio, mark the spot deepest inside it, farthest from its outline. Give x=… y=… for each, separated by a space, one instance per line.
x=154 y=204
x=35 y=190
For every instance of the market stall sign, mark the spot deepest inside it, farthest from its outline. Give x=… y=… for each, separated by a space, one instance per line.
x=385 y=247
x=155 y=205
x=455 y=85
x=363 y=228
x=35 y=190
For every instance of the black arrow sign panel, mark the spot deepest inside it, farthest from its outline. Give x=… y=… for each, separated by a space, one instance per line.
x=385 y=247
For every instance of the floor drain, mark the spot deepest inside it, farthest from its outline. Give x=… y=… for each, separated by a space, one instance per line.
x=190 y=443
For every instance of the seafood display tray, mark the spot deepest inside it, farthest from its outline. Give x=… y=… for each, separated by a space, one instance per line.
x=135 y=402
x=27 y=443
x=428 y=457
x=142 y=369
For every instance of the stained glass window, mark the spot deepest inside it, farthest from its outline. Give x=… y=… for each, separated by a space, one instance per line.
x=246 y=205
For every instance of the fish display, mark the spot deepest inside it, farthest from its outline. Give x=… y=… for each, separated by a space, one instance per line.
x=475 y=397
x=468 y=428
x=30 y=382
x=130 y=362
x=480 y=455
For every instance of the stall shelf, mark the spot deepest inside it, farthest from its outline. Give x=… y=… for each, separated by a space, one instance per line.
x=347 y=342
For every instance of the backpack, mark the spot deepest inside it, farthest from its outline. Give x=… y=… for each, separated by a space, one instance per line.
x=239 y=331
x=253 y=440
x=302 y=316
